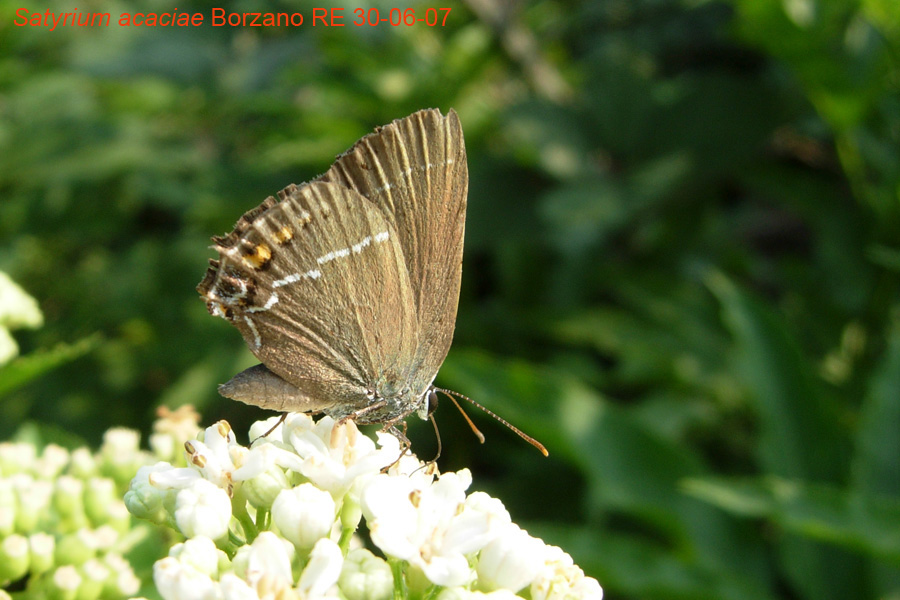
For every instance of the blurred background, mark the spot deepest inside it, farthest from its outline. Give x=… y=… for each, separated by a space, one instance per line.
x=680 y=274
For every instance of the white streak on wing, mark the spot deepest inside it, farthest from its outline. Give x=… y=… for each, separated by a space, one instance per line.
x=272 y=301
x=256 y=339
x=407 y=173
x=333 y=255
x=326 y=258
x=295 y=277
x=357 y=248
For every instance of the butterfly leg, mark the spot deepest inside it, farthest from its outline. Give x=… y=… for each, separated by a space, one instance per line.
x=355 y=415
x=273 y=428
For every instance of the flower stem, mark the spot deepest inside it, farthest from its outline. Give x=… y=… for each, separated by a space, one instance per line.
x=400 y=591
x=346 y=536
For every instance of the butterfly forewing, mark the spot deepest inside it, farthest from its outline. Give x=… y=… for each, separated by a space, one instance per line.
x=415 y=171
x=318 y=287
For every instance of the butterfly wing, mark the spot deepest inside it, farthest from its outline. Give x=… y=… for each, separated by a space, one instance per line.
x=296 y=276
x=415 y=171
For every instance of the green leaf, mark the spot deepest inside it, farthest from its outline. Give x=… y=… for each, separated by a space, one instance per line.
x=861 y=522
x=27 y=368
x=799 y=435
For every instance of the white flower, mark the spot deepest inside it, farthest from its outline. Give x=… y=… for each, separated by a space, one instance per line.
x=322 y=571
x=336 y=457
x=510 y=561
x=265 y=564
x=561 y=579
x=235 y=588
x=304 y=514
x=200 y=553
x=431 y=527
x=203 y=509
x=176 y=581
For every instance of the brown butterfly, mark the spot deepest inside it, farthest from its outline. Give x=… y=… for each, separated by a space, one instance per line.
x=346 y=287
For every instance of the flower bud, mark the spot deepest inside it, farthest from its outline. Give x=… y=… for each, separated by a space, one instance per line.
x=32 y=501
x=176 y=581
x=145 y=500
x=268 y=555
x=203 y=509
x=304 y=514
x=99 y=494
x=63 y=583
x=7 y=508
x=53 y=460
x=120 y=455
x=93 y=578
x=68 y=500
x=561 y=579
x=201 y=554
x=262 y=490
x=82 y=464
x=76 y=548
x=14 y=558
x=323 y=569
x=366 y=577
x=234 y=588
x=42 y=548
x=16 y=458
x=122 y=582
x=510 y=561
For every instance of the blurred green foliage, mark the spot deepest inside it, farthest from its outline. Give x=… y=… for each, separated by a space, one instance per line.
x=681 y=268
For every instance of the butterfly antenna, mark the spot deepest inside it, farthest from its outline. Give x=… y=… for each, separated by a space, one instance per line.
x=450 y=394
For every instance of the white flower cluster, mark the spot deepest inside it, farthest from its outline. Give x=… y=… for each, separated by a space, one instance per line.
x=64 y=529
x=63 y=526
x=277 y=520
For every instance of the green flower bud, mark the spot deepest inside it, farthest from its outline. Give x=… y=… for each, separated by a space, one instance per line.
x=14 y=558
x=63 y=584
x=365 y=577
x=262 y=490
x=93 y=575
x=7 y=508
x=120 y=455
x=68 y=500
x=82 y=464
x=146 y=501
x=42 y=547
x=122 y=582
x=53 y=460
x=32 y=502
x=76 y=548
x=16 y=458
x=99 y=494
